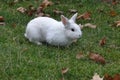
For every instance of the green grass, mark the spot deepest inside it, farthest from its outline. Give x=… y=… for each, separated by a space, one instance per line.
x=22 y=60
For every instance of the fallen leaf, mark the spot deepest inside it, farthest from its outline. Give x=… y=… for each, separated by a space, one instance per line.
x=79 y=55
x=97 y=58
x=21 y=9
x=96 y=77
x=39 y=11
x=16 y=1
x=85 y=16
x=64 y=70
x=46 y=3
x=2 y=22
x=116 y=77
x=114 y=2
x=116 y=24
x=112 y=13
x=1 y=19
x=72 y=10
x=90 y=25
x=81 y=26
x=102 y=41
x=31 y=10
x=58 y=12
x=107 y=77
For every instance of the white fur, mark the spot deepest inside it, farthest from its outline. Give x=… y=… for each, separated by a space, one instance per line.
x=45 y=29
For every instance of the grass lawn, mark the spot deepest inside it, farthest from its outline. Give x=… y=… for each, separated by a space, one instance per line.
x=22 y=60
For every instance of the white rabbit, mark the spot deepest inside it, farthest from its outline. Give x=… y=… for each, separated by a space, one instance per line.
x=58 y=33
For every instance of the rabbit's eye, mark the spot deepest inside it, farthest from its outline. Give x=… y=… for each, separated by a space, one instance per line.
x=72 y=29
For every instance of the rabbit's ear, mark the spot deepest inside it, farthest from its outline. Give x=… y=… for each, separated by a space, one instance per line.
x=74 y=17
x=64 y=20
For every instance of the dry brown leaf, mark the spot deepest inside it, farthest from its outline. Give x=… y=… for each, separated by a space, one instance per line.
x=97 y=58
x=58 y=12
x=1 y=19
x=96 y=77
x=90 y=25
x=2 y=23
x=116 y=77
x=79 y=55
x=47 y=15
x=112 y=13
x=102 y=41
x=64 y=70
x=114 y=2
x=31 y=10
x=72 y=10
x=16 y=1
x=117 y=23
x=81 y=26
x=46 y=3
x=85 y=16
x=39 y=11
x=21 y=9
x=107 y=77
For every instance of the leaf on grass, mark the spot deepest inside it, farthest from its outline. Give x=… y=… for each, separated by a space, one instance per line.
x=102 y=41
x=112 y=13
x=39 y=11
x=31 y=10
x=116 y=77
x=90 y=25
x=72 y=10
x=114 y=2
x=2 y=22
x=46 y=3
x=64 y=70
x=21 y=9
x=79 y=55
x=97 y=58
x=16 y=1
x=1 y=19
x=58 y=12
x=81 y=26
x=116 y=23
x=85 y=16
x=107 y=77
x=96 y=77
